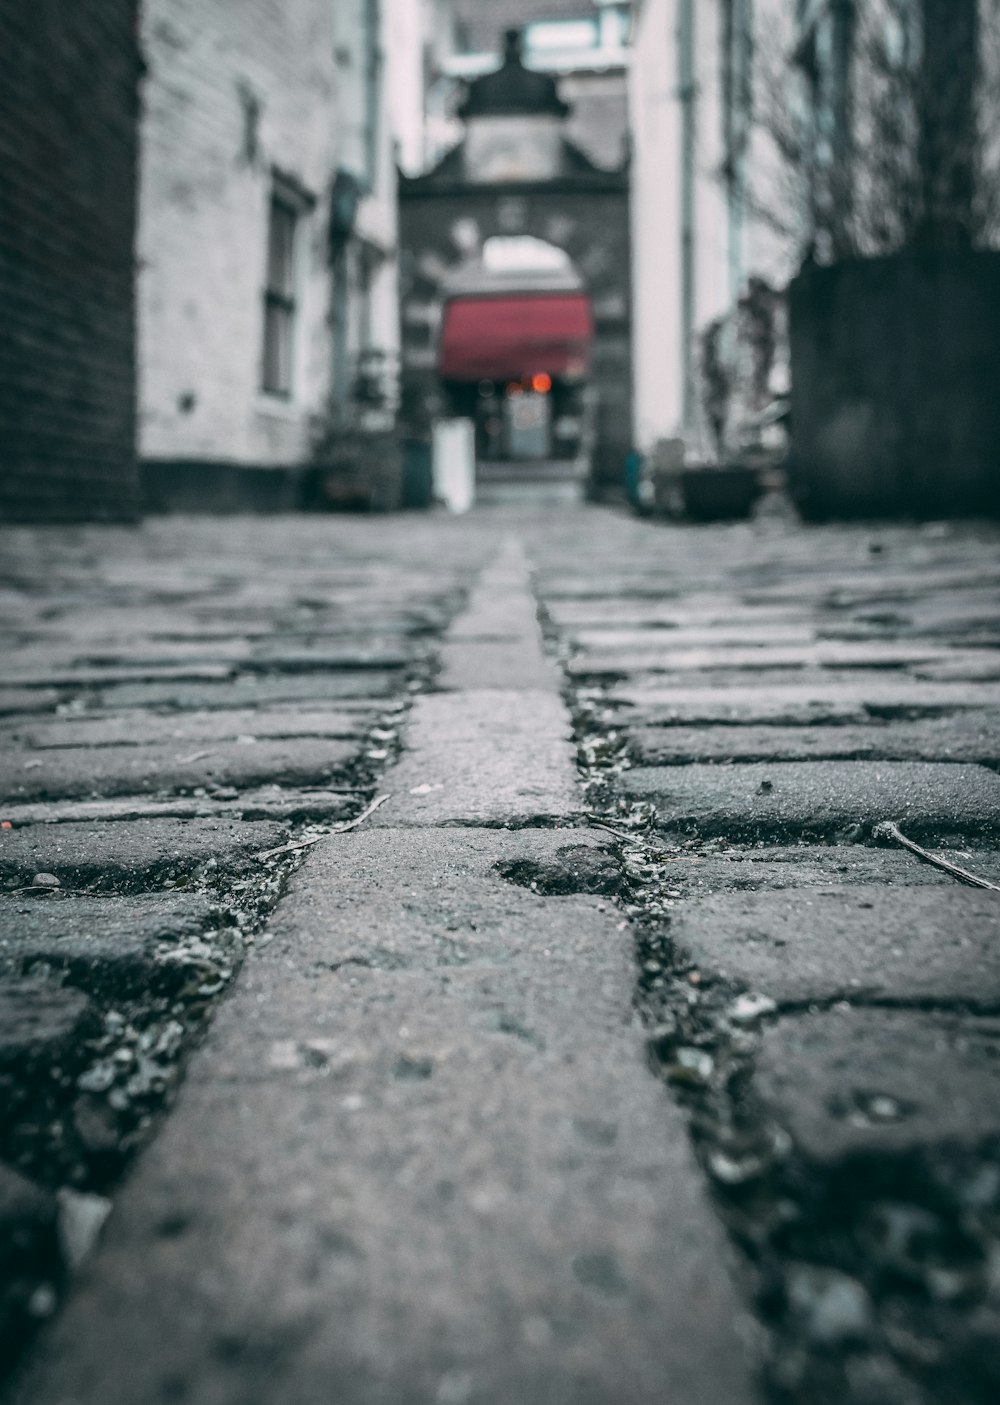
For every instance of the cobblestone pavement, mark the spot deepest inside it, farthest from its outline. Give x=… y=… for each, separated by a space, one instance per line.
x=611 y=1059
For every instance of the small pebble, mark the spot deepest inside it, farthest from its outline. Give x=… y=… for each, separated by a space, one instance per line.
x=45 y=880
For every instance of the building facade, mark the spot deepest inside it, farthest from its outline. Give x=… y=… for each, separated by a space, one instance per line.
x=716 y=213
x=68 y=157
x=516 y=294
x=267 y=241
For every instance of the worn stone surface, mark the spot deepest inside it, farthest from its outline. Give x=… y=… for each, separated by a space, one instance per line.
x=484 y=757
x=127 y=770
x=467 y=1174
x=747 y=868
x=869 y=942
x=496 y=665
x=820 y=798
x=665 y=657
x=815 y=701
x=254 y=690
x=32 y=700
x=133 y=728
x=143 y=852
x=504 y=612
x=269 y=802
x=41 y=1024
x=106 y=945
x=846 y=1082
x=29 y=1254
x=965 y=736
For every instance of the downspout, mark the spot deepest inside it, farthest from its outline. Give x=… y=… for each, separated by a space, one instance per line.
x=687 y=93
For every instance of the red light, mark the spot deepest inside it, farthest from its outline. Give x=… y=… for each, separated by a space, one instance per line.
x=541 y=383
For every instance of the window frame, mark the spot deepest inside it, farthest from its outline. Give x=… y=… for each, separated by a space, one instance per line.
x=288 y=205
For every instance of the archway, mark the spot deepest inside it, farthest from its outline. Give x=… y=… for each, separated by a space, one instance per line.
x=514 y=349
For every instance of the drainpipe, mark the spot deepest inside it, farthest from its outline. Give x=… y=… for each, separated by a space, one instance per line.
x=687 y=93
x=739 y=119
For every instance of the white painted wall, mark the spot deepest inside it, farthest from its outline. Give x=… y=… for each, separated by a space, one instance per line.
x=205 y=188
x=656 y=129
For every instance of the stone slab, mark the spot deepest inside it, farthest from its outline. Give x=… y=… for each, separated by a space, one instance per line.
x=503 y=613
x=644 y=638
x=71 y=772
x=275 y=656
x=496 y=664
x=119 y=856
x=387 y=1184
x=865 y=942
x=41 y=1024
x=87 y=676
x=970 y=736
x=18 y=700
x=256 y=690
x=106 y=946
x=132 y=727
x=820 y=798
x=851 y=1082
x=661 y=657
x=29 y=1255
x=490 y=757
x=757 y=867
x=272 y=802
x=809 y=702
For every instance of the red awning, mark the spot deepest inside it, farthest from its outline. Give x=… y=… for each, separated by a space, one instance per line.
x=506 y=338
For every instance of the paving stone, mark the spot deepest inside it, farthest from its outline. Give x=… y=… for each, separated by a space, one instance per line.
x=649 y=638
x=130 y=770
x=132 y=727
x=27 y=1224
x=75 y=678
x=504 y=613
x=865 y=942
x=131 y=652
x=490 y=757
x=18 y=700
x=748 y=869
x=663 y=657
x=41 y=1025
x=29 y=1255
x=107 y=946
x=851 y=1082
x=820 y=798
x=272 y=802
x=498 y=665
x=667 y=610
x=256 y=690
x=275 y=656
x=813 y=701
x=435 y=1175
x=970 y=737
x=118 y=856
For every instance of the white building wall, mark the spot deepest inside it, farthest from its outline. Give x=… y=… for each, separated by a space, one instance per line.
x=657 y=121
x=726 y=249
x=232 y=92
x=420 y=44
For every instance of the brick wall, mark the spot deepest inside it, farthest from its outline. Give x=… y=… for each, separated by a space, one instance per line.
x=234 y=92
x=68 y=110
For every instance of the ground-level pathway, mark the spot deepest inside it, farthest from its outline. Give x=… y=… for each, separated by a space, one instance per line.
x=456 y=961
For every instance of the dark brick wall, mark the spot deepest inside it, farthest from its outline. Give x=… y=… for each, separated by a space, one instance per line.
x=69 y=77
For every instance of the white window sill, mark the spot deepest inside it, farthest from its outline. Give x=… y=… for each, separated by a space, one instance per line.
x=278 y=408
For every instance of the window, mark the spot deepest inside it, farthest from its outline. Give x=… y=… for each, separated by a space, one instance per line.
x=279 y=296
